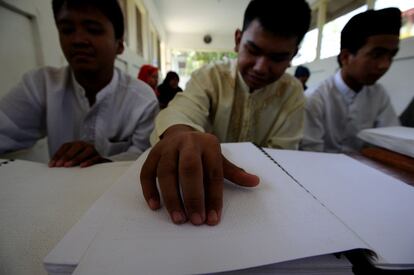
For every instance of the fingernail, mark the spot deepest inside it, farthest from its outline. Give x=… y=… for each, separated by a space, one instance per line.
x=52 y=163
x=59 y=163
x=196 y=219
x=68 y=164
x=153 y=204
x=177 y=217
x=212 y=217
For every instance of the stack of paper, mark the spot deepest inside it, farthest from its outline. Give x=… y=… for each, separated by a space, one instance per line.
x=398 y=139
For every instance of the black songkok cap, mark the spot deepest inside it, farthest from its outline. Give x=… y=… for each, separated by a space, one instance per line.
x=369 y=23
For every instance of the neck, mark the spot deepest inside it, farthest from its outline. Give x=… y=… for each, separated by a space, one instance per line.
x=351 y=82
x=92 y=83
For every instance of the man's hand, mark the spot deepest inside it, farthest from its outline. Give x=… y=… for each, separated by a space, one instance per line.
x=76 y=153
x=190 y=170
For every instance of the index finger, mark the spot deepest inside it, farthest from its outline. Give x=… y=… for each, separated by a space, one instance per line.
x=148 y=178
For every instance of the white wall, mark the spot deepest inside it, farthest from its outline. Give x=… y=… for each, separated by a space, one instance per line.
x=399 y=80
x=220 y=42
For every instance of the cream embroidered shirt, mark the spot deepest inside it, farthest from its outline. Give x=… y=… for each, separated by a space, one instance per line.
x=218 y=101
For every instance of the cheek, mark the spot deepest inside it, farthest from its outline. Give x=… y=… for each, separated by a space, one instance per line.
x=277 y=70
x=245 y=62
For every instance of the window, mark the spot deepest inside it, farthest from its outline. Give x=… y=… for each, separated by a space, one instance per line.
x=307 y=49
x=185 y=62
x=138 y=17
x=407 y=9
x=331 y=35
x=154 y=48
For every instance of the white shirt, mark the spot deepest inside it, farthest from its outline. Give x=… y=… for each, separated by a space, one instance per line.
x=335 y=114
x=50 y=102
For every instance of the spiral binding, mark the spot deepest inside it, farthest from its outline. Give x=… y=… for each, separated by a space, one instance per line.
x=287 y=173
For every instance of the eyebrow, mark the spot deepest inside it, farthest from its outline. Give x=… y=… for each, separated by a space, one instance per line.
x=382 y=49
x=272 y=54
x=83 y=22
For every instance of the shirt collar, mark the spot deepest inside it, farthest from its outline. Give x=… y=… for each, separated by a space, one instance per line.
x=348 y=94
x=108 y=89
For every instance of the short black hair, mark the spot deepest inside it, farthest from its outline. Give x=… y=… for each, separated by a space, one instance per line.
x=286 y=18
x=302 y=71
x=110 y=8
x=365 y=24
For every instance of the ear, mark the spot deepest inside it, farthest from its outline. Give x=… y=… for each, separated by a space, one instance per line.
x=237 y=38
x=344 y=56
x=120 y=46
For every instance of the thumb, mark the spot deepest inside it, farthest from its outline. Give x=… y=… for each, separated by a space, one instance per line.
x=238 y=175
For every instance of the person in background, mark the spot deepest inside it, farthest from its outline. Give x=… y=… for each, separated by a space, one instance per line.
x=90 y=111
x=168 y=88
x=247 y=99
x=352 y=100
x=302 y=73
x=407 y=116
x=149 y=74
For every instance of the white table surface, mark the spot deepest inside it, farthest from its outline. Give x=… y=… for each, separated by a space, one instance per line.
x=37 y=209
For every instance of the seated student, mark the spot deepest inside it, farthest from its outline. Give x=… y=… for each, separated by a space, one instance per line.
x=407 y=116
x=351 y=100
x=248 y=99
x=302 y=73
x=149 y=74
x=168 y=88
x=89 y=111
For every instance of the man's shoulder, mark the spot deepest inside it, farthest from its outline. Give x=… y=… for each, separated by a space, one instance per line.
x=134 y=87
x=47 y=78
x=48 y=73
x=322 y=89
x=217 y=68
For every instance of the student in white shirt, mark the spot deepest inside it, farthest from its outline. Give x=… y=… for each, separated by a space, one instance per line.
x=351 y=100
x=89 y=111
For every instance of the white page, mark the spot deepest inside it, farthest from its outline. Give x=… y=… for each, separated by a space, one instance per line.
x=398 y=139
x=377 y=207
x=66 y=255
x=274 y=222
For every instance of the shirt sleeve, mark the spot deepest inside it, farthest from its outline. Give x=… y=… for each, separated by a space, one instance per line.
x=387 y=116
x=314 y=126
x=191 y=107
x=22 y=114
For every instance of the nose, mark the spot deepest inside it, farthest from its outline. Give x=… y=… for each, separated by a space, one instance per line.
x=261 y=65
x=79 y=37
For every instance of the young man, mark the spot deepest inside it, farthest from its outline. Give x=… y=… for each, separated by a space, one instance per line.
x=90 y=111
x=250 y=99
x=302 y=73
x=351 y=100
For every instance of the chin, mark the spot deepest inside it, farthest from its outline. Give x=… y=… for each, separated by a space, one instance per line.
x=83 y=68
